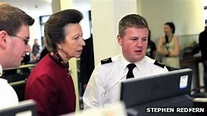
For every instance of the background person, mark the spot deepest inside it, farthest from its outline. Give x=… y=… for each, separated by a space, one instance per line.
x=203 y=48
x=35 y=50
x=44 y=50
x=168 y=46
x=151 y=48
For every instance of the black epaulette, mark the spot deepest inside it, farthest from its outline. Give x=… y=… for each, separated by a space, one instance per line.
x=159 y=64
x=107 y=60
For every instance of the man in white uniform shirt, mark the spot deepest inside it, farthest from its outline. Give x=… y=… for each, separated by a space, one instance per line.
x=104 y=84
x=14 y=37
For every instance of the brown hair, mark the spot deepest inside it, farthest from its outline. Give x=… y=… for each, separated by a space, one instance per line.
x=12 y=18
x=131 y=20
x=54 y=27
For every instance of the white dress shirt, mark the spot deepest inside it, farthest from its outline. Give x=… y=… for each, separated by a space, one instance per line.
x=8 y=96
x=104 y=84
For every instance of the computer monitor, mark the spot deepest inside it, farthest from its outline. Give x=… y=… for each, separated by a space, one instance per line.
x=164 y=90
x=24 y=108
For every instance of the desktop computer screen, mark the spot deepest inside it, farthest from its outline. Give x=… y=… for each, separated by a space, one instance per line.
x=24 y=108
x=167 y=90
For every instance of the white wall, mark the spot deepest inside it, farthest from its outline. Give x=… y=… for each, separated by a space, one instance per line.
x=187 y=15
x=105 y=17
x=35 y=13
x=34 y=9
x=84 y=7
x=205 y=12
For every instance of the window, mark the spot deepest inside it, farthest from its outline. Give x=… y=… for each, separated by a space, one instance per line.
x=43 y=20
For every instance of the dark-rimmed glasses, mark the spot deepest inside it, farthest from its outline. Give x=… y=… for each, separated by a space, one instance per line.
x=26 y=40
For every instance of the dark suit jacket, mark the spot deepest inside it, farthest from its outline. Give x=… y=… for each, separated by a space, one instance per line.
x=203 y=44
x=87 y=61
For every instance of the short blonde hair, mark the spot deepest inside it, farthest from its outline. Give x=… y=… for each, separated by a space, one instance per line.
x=131 y=20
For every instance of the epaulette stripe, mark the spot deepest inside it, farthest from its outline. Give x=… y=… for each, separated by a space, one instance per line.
x=159 y=64
x=107 y=60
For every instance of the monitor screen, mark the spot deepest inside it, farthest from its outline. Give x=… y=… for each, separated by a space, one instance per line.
x=138 y=91
x=24 y=108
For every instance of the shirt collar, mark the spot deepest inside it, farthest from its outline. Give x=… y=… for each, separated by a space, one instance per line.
x=141 y=63
x=125 y=62
x=138 y=64
x=1 y=70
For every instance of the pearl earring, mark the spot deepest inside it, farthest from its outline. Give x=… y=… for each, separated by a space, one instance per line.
x=60 y=47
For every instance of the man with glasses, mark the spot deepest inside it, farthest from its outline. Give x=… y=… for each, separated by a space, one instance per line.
x=14 y=37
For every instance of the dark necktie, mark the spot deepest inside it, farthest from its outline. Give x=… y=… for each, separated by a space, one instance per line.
x=130 y=73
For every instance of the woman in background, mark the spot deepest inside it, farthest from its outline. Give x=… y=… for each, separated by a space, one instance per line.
x=168 y=46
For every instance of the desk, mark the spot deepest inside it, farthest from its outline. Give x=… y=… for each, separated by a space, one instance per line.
x=22 y=66
x=17 y=76
x=192 y=62
x=200 y=103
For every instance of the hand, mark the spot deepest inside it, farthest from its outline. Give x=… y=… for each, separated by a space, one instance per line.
x=167 y=53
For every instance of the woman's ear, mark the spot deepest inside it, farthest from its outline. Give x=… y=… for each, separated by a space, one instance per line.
x=59 y=46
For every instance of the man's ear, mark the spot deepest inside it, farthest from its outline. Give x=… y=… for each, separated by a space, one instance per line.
x=3 y=40
x=119 y=39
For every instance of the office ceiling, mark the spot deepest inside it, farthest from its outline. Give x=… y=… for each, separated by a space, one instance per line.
x=37 y=2
x=26 y=3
